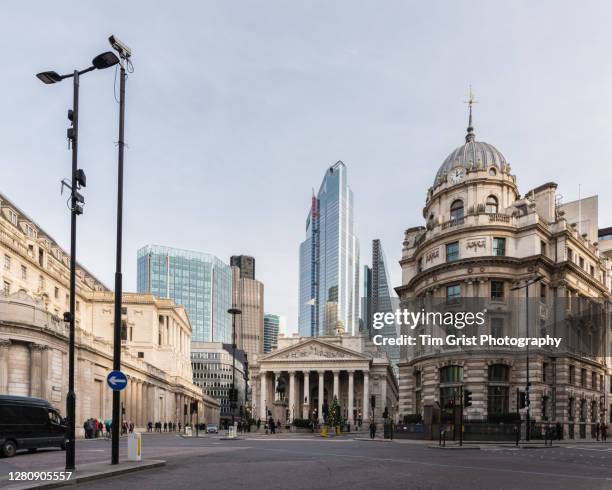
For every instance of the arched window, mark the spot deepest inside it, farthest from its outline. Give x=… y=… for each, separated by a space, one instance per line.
x=456 y=210
x=492 y=205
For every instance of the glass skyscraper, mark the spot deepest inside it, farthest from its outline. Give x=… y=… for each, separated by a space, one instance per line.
x=329 y=260
x=383 y=300
x=273 y=325
x=201 y=282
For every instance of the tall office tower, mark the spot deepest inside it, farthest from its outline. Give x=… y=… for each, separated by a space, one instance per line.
x=273 y=326
x=249 y=298
x=245 y=263
x=384 y=300
x=366 y=302
x=201 y=282
x=329 y=260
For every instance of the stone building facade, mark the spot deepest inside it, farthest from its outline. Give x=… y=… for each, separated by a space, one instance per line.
x=156 y=335
x=306 y=372
x=482 y=241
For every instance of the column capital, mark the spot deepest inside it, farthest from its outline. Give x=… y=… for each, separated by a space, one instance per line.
x=5 y=342
x=38 y=347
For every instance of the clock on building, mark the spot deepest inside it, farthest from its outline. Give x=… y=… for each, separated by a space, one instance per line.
x=457 y=175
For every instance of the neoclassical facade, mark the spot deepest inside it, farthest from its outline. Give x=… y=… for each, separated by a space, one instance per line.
x=306 y=372
x=482 y=242
x=156 y=335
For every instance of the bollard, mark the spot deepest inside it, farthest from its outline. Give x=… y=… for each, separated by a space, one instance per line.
x=134 y=446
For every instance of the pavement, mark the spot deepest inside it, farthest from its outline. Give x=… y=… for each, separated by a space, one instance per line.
x=304 y=461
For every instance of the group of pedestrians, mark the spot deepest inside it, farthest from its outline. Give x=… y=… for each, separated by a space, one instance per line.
x=163 y=426
x=93 y=428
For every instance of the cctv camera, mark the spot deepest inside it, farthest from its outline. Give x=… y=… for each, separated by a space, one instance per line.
x=120 y=47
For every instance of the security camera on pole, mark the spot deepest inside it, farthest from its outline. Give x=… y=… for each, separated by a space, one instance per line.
x=125 y=54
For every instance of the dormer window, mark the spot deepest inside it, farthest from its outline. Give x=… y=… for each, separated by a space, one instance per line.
x=492 y=205
x=12 y=215
x=456 y=210
x=30 y=231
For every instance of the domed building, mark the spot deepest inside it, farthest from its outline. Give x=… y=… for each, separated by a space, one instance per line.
x=532 y=272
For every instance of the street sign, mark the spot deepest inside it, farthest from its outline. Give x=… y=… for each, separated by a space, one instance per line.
x=116 y=380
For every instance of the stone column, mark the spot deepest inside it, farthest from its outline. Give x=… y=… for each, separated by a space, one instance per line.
x=350 y=395
x=264 y=389
x=306 y=399
x=36 y=370
x=139 y=421
x=276 y=380
x=366 y=396
x=321 y=394
x=383 y=394
x=337 y=385
x=292 y=407
x=4 y=365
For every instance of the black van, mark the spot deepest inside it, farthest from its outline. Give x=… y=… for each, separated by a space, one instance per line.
x=29 y=423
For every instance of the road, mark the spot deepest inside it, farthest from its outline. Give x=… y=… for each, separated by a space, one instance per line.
x=304 y=462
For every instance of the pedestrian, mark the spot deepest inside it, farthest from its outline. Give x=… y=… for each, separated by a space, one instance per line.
x=604 y=432
x=131 y=427
x=372 y=428
x=180 y=426
x=597 y=430
x=272 y=426
x=107 y=425
x=278 y=425
x=165 y=426
x=258 y=423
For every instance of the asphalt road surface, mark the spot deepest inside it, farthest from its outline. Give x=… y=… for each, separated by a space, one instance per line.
x=304 y=462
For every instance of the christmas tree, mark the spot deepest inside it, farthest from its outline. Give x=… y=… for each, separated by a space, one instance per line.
x=334 y=418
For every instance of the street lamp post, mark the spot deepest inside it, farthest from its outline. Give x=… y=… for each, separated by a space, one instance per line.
x=528 y=283
x=77 y=181
x=124 y=54
x=233 y=311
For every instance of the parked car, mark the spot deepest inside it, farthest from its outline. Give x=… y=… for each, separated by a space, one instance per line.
x=212 y=429
x=29 y=423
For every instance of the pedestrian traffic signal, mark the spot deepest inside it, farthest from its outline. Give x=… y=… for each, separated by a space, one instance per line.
x=467 y=398
x=522 y=399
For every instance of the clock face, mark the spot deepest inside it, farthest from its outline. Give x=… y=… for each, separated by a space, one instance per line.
x=456 y=175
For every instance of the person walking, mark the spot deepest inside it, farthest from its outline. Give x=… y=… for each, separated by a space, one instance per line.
x=372 y=428
x=165 y=426
x=604 y=432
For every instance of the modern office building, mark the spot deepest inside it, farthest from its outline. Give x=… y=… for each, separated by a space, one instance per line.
x=383 y=300
x=329 y=260
x=366 y=302
x=273 y=326
x=213 y=369
x=245 y=263
x=199 y=281
x=248 y=297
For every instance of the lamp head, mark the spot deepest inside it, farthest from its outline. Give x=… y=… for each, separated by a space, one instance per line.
x=105 y=60
x=49 y=77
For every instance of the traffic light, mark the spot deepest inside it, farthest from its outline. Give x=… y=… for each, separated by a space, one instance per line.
x=467 y=398
x=386 y=413
x=522 y=399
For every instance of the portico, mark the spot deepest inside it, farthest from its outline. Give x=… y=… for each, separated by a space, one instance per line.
x=301 y=378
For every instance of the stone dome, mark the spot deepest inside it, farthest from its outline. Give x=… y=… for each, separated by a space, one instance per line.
x=473 y=154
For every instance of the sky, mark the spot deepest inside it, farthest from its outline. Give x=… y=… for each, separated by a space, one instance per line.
x=236 y=109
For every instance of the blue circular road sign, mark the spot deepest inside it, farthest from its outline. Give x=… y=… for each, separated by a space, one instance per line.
x=116 y=380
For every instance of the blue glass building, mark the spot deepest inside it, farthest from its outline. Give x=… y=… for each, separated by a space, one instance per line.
x=329 y=260
x=201 y=282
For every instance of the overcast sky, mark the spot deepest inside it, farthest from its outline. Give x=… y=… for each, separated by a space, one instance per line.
x=236 y=109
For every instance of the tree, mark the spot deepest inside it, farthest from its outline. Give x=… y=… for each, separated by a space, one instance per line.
x=334 y=418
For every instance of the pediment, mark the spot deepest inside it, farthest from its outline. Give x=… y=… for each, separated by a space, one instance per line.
x=316 y=350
